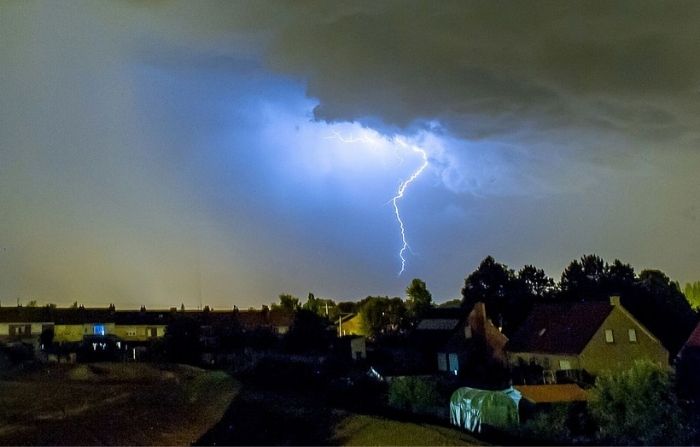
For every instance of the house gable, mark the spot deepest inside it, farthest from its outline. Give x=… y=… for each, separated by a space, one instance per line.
x=618 y=342
x=593 y=336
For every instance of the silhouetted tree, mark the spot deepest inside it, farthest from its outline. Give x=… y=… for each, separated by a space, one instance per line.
x=585 y=280
x=181 y=343
x=230 y=334
x=288 y=303
x=593 y=279
x=314 y=304
x=692 y=294
x=536 y=282
x=382 y=315
x=658 y=304
x=419 y=299
x=309 y=333
x=505 y=296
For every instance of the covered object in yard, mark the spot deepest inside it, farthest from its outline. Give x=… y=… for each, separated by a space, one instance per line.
x=472 y=407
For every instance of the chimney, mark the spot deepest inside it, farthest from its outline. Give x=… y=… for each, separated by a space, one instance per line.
x=614 y=300
x=477 y=318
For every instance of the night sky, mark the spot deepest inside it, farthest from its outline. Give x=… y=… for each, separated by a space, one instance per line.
x=164 y=152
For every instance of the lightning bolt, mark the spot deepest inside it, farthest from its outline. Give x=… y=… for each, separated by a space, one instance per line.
x=399 y=195
x=402 y=186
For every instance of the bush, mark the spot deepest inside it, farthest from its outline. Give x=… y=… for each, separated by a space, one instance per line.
x=416 y=394
x=559 y=423
x=548 y=425
x=360 y=393
x=638 y=407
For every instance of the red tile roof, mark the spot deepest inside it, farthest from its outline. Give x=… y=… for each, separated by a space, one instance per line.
x=559 y=328
x=694 y=339
x=540 y=394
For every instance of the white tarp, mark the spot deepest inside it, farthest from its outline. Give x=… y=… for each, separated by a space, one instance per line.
x=470 y=407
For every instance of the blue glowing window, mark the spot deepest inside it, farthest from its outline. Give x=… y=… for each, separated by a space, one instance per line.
x=98 y=329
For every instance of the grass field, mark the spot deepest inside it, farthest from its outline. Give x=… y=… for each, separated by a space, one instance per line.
x=112 y=404
x=372 y=430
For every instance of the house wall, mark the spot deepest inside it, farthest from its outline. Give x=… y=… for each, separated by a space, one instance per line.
x=599 y=355
x=36 y=329
x=137 y=332
x=358 y=348
x=352 y=326
x=75 y=332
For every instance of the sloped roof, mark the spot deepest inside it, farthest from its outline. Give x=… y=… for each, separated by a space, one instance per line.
x=694 y=339
x=25 y=315
x=436 y=328
x=249 y=319
x=445 y=324
x=142 y=318
x=442 y=319
x=541 y=394
x=559 y=328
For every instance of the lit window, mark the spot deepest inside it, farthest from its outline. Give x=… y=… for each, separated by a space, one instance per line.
x=442 y=361
x=453 y=363
x=98 y=329
x=632 y=334
x=609 y=337
x=564 y=365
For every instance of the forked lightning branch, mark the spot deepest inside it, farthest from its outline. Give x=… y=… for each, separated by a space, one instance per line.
x=403 y=185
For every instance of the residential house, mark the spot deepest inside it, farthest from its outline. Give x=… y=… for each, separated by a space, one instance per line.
x=350 y=347
x=24 y=324
x=582 y=336
x=688 y=368
x=350 y=324
x=475 y=352
x=71 y=325
x=134 y=329
x=458 y=342
x=431 y=336
x=140 y=326
x=277 y=320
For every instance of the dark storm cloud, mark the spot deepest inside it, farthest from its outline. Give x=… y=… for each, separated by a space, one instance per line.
x=486 y=68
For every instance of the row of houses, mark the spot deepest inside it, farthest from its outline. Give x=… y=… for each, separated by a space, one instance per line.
x=559 y=338
x=562 y=340
x=26 y=324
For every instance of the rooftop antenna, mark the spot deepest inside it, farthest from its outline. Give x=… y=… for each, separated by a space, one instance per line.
x=199 y=273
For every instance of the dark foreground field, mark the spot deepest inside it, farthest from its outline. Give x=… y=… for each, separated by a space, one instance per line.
x=112 y=404
x=261 y=417
x=144 y=404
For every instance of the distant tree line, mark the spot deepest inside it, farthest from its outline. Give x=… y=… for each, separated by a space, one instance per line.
x=509 y=295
